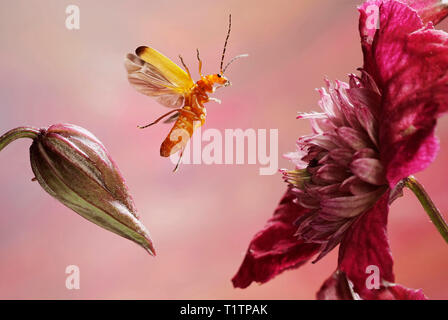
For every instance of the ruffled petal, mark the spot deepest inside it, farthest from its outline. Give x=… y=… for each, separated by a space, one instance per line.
x=368 y=23
x=409 y=62
x=429 y=10
x=369 y=170
x=339 y=287
x=366 y=244
x=398 y=292
x=275 y=248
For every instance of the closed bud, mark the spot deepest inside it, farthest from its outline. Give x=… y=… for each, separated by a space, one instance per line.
x=73 y=166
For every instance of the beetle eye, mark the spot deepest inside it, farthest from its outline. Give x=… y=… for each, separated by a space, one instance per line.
x=219 y=76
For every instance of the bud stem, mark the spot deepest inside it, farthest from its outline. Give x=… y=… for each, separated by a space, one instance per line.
x=429 y=206
x=17 y=133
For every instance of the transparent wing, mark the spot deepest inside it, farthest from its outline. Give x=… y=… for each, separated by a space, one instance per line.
x=172 y=118
x=151 y=81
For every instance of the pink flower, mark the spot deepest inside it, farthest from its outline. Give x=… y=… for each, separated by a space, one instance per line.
x=372 y=132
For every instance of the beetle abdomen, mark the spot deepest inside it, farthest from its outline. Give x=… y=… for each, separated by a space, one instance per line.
x=181 y=132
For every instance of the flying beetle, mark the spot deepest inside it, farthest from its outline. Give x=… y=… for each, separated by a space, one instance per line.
x=155 y=75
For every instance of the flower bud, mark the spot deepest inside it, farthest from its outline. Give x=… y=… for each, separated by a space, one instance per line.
x=73 y=166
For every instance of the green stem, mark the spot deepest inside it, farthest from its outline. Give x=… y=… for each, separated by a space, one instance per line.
x=17 y=133
x=429 y=206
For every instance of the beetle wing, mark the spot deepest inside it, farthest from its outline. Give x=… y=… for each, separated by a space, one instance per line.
x=150 y=80
x=172 y=118
x=172 y=72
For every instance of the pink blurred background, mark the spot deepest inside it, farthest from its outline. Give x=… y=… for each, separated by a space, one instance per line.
x=203 y=217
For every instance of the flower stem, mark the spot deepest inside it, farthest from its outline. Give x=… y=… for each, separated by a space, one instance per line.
x=429 y=206
x=17 y=133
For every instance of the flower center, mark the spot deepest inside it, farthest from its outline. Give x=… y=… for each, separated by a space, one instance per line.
x=338 y=174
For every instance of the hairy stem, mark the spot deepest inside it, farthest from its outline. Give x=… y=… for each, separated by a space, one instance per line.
x=17 y=133
x=429 y=206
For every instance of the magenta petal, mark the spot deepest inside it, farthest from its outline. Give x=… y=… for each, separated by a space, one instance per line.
x=335 y=288
x=363 y=98
x=331 y=173
x=351 y=206
x=411 y=155
x=338 y=287
x=367 y=23
x=369 y=170
x=367 y=32
x=366 y=244
x=429 y=10
x=356 y=186
x=342 y=156
x=398 y=292
x=352 y=137
x=409 y=62
x=275 y=248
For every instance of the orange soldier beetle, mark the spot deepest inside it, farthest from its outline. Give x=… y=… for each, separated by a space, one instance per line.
x=155 y=75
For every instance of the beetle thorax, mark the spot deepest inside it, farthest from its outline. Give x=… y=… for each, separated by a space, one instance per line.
x=205 y=84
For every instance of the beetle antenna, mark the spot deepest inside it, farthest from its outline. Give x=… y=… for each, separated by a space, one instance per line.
x=225 y=43
x=235 y=58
